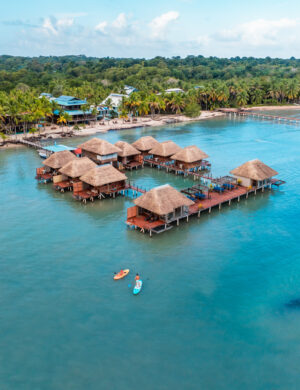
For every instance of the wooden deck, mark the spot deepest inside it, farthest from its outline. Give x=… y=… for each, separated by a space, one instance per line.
x=141 y=223
x=133 y=165
x=63 y=185
x=44 y=177
x=217 y=199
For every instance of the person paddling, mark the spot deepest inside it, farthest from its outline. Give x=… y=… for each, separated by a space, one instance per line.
x=137 y=277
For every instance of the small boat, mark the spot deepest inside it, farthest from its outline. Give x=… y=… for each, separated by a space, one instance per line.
x=121 y=275
x=42 y=153
x=138 y=287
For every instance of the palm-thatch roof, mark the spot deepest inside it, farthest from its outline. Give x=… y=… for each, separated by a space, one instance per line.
x=59 y=159
x=255 y=170
x=99 y=146
x=190 y=154
x=162 y=200
x=102 y=175
x=77 y=167
x=126 y=149
x=145 y=143
x=165 y=149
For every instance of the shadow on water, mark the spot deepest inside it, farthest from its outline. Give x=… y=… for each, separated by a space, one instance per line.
x=293 y=304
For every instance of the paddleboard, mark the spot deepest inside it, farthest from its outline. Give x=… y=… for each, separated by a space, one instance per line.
x=137 y=287
x=120 y=276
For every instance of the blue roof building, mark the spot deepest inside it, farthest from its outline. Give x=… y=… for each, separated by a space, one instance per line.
x=73 y=107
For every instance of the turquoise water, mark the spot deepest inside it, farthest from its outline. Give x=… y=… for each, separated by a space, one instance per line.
x=212 y=313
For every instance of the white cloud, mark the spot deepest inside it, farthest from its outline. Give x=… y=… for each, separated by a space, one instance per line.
x=160 y=23
x=120 y=22
x=64 y=22
x=260 y=32
x=48 y=26
x=101 y=27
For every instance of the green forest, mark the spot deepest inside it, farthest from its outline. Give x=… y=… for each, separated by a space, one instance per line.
x=209 y=83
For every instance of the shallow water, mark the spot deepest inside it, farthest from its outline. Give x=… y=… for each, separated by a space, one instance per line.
x=213 y=313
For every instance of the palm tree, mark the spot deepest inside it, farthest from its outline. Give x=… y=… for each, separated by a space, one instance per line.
x=62 y=120
x=242 y=98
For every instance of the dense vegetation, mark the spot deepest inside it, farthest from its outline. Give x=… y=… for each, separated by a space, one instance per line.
x=220 y=82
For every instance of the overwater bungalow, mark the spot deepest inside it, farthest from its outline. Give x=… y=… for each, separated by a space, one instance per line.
x=128 y=157
x=155 y=210
x=101 y=181
x=70 y=173
x=100 y=151
x=145 y=144
x=164 y=150
x=52 y=164
x=254 y=174
x=190 y=158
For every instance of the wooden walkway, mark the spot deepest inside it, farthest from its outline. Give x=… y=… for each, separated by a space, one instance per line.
x=135 y=188
x=258 y=115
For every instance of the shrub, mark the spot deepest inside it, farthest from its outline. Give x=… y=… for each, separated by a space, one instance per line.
x=192 y=110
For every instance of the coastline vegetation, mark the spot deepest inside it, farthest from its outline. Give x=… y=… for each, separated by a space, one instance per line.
x=209 y=83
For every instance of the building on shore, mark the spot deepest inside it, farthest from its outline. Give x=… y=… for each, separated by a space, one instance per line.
x=145 y=144
x=100 y=151
x=155 y=210
x=174 y=90
x=128 y=156
x=129 y=89
x=164 y=151
x=70 y=173
x=73 y=107
x=190 y=158
x=254 y=173
x=103 y=180
x=114 y=100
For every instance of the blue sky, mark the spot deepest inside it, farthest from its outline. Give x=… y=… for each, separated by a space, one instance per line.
x=130 y=28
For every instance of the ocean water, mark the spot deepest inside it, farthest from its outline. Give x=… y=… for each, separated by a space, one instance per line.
x=219 y=306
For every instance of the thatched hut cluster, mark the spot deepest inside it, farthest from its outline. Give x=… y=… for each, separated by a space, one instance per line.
x=145 y=144
x=190 y=157
x=164 y=151
x=100 y=151
x=128 y=156
x=254 y=173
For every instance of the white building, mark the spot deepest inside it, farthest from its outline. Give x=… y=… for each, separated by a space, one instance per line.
x=174 y=90
x=115 y=100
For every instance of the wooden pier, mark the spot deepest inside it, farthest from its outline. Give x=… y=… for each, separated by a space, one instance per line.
x=259 y=115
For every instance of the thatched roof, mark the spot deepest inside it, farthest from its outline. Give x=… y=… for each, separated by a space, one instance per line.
x=104 y=174
x=126 y=149
x=59 y=159
x=162 y=200
x=145 y=143
x=255 y=170
x=77 y=167
x=165 y=149
x=99 y=146
x=190 y=154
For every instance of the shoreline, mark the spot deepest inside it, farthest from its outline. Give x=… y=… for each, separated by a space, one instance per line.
x=57 y=132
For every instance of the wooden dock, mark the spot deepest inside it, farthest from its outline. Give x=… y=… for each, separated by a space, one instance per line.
x=214 y=200
x=262 y=116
